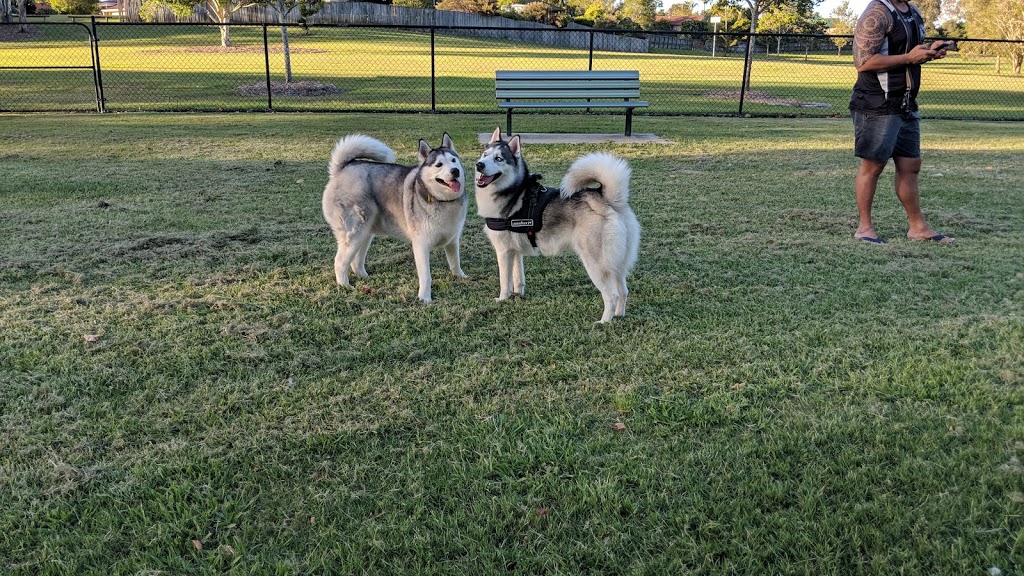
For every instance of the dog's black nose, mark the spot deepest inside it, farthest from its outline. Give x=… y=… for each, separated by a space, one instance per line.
x=479 y=166
x=455 y=172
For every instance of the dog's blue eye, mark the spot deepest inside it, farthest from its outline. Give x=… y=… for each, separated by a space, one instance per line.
x=499 y=160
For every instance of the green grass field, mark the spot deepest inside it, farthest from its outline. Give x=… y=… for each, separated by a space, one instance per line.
x=178 y=67
x=185 y=390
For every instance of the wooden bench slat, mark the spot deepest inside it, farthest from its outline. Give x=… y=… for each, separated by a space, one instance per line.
x=567 y=74
x=551 y=94
x=636 y=104
x=552 y=84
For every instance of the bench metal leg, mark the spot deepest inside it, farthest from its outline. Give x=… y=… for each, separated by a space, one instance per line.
x=629 y=121
x=508 y=122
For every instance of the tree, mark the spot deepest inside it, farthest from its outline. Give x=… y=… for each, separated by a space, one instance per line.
x=642 y=12
x=843 y=23
x=930 y=11
x=282 y=8
x=781 y=19
x=758 y=6
x=732 y=17
x=998 y=20
x=536 y=12
x=682 y=9
x=471 y=6
x=220 y=11
x=70 y=6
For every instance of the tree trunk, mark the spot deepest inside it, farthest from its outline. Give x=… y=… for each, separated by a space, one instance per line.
x=281 y=9
x=221 y=12
x=750 y=45
x=1018 y=60
x=22 y=17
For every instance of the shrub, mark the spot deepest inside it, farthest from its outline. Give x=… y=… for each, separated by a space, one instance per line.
x=75 y=6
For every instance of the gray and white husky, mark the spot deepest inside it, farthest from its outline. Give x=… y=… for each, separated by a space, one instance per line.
x=523 y=217
x=368 y=194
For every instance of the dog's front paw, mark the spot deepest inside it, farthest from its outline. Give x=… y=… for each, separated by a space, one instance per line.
x=459 y=273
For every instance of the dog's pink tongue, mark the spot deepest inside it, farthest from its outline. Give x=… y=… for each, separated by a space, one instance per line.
x=455 y=186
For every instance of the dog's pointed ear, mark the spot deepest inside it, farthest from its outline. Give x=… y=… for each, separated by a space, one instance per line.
x=496 y=137
x=446 y=142
x=516 y=146
x=424 y=150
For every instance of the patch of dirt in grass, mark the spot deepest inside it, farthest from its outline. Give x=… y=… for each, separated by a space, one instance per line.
x=231 y=50
x=299 y=89
x=977 y=223
x=763 y=98
x=11 y=34
x=169 y=246
x=821 y=220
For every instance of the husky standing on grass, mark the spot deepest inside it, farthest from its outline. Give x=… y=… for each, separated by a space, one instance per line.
x=524 y=217
x=368 y=194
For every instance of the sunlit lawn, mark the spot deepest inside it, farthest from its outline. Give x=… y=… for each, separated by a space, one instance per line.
x=185 y=390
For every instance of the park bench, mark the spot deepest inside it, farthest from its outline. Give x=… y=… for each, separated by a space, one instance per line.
x=550 y=89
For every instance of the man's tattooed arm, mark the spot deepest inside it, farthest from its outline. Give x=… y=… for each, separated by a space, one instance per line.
x=869 y=36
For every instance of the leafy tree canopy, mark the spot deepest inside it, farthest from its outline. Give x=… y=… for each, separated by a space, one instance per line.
x=75 y=6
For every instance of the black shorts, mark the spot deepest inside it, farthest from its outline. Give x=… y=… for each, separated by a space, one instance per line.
x=880 y=138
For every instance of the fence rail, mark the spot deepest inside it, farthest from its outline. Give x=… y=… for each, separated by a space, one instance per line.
x=117 y=66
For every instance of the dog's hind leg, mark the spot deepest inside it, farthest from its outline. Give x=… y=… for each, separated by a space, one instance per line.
x=359 y=259
x=620 y=310
x=608 y=284
x=342 y=259
x=451 y=252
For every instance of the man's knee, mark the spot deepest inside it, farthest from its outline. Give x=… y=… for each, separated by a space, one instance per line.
x=871 y=168
x=907 y=165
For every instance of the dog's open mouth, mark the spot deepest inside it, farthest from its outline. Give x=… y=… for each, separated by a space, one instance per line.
x=483 y=179
x=453 y=185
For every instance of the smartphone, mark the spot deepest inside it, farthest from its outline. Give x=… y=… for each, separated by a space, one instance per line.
x=949 y=46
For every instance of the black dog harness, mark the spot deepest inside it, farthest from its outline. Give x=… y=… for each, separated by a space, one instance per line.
x=529 y=218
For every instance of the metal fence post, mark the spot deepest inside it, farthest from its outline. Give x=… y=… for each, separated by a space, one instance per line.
x=266 y=60
x=97 y=71
x=590 y=65
x=433 y=74
x=748 y=63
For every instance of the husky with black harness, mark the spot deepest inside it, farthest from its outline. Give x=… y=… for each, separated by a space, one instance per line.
x=589 y=213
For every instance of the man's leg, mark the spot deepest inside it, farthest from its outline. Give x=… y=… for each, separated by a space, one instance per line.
x=864 y=186
x=907 y=170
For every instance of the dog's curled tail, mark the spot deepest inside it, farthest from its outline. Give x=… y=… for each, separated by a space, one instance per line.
x=608 y=170
x=356 y=146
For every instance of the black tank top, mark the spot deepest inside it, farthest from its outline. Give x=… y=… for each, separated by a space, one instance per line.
x=881 y=91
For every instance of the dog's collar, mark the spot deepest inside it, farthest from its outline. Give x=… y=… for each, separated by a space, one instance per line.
x=431 y=198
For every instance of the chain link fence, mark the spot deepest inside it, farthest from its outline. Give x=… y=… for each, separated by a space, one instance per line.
x=92 y=65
